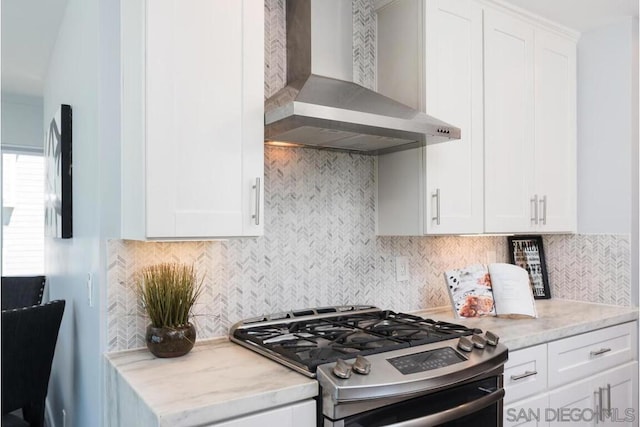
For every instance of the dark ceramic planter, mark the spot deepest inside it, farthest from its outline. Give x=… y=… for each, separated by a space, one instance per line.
x=171 y=342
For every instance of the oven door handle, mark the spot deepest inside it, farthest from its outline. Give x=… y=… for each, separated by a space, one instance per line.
x=453 y=413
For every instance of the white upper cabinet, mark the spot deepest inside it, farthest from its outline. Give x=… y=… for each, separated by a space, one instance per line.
x=434 y=64
x=509 y=82
x=453 y=69
x=193 y=154
x=509 y=127
x=555 y=132
x=530 y=127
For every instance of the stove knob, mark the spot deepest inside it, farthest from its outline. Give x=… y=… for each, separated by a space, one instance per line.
x=342 y=369
x=361 y=366
x=491 y=338
x=478 y=341
x=465 y=344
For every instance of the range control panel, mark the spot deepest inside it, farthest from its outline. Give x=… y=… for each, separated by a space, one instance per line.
x=426 y=361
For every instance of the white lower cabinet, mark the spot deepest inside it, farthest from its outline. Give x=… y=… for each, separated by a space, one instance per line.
x=609 y=398
x=528 y=412
x=584 y=380
x=301 y=414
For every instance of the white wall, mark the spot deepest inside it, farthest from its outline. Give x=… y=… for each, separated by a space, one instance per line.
x=635 y=170
x=605 y=129
x=22 y=122
x=84 y=72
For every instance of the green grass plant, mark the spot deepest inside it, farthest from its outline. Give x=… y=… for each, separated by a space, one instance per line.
x=168 y=292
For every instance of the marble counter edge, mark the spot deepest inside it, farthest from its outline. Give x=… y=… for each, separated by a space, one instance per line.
x=242 y=407
x=529 y=339
x=217 y=411
x=531 y=334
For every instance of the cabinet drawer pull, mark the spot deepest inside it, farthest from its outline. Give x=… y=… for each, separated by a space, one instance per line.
x=534 y=209
x=257 y=214
x=436 y=196
x=599 y=352
x=525 y=375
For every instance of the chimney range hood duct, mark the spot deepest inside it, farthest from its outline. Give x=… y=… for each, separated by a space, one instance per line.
x=316 y=109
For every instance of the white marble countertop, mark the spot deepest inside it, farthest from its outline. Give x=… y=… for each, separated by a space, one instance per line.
x=217 y=380
x=220 y=380
x=556 y=319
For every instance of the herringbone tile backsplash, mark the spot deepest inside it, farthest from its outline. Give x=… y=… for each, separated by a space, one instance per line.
x=320 y=247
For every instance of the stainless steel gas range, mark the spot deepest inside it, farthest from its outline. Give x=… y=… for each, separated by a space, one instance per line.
x=380 y=368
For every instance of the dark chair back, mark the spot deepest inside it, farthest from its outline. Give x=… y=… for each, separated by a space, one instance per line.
x=29 y=338
x=21 y=291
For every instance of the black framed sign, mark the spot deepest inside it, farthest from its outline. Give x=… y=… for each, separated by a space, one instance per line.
x=527 y=252
x=58 y=208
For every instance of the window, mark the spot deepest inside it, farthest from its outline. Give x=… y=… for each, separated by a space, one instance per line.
x=23 y=214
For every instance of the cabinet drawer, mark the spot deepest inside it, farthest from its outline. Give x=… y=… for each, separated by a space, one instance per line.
x=525 y=373
x=583 y=355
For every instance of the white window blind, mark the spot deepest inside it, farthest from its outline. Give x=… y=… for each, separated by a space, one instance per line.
x=23 y=236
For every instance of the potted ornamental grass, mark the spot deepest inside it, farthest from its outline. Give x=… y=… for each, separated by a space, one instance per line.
x=167 y=293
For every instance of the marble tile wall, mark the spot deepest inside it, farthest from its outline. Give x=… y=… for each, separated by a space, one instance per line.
x=320 y=247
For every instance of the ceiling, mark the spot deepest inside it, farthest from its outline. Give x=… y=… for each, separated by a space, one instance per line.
x=29 y=31
x=30 y=28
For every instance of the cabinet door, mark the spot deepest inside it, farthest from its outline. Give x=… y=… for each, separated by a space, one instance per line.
x=529 y=412
x=574 y=404
x=509 y=130
x=203 y=117
x=609 y=398
x=453 y=69
x=620 y=395
x=555 y=132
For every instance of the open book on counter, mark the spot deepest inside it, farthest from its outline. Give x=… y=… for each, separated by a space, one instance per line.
x=498 y=289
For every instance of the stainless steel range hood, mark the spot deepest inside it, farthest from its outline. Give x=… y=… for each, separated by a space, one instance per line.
x=321 y=107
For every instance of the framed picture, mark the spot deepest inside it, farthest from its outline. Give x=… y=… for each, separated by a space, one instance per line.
x=527 y=252
x=58 y=208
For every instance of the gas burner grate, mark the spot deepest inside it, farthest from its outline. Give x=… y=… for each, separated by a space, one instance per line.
x=315 y=340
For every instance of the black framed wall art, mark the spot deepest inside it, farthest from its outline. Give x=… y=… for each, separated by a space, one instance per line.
x=58 y=204
x=527 y=252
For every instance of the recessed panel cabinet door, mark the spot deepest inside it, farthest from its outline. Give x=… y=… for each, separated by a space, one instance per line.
x=454 y=170
x=555 y=132
x=509 y=129
x=204 y=142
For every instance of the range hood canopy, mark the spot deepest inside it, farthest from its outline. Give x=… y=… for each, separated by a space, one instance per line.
x=332 y=112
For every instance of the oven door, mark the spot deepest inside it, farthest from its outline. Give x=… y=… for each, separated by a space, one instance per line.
x=477 y=403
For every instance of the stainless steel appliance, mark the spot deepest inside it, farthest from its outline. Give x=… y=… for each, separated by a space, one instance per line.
x=322 y=107
x=381 y=368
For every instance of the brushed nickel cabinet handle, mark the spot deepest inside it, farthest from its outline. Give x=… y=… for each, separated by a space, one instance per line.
x=436 y=196
x=543 y=208
x=524 y=375
x=256 y=216
x=534 y=209
x=599 y=352
x=600 y=408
